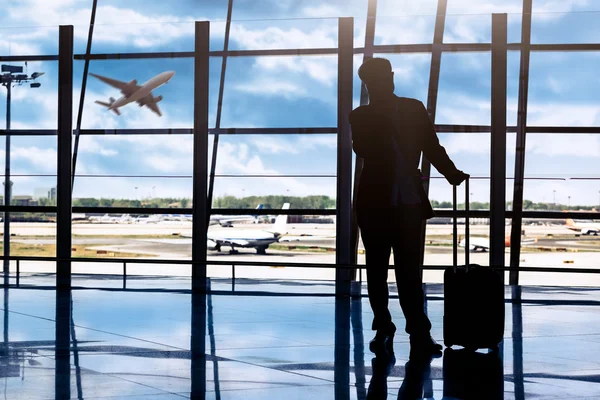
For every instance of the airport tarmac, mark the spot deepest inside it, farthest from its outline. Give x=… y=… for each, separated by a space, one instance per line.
x=172 y=241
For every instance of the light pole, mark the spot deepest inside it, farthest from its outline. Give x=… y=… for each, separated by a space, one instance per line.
x=554 y=199
x=569 y=202
x=12 y=75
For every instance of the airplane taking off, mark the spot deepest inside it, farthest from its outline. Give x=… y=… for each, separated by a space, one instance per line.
x=253 y=238
x=132 y=92
x=584 y=228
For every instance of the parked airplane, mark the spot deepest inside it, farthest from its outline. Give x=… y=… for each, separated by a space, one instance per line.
x=584 y=227
x=177 y=217
x=78 y=217
x=252 y=238
x=107 y=219
x=132 y=92
x=483 y=244
x=103 y=219
x=228 y=220
x=152 y=219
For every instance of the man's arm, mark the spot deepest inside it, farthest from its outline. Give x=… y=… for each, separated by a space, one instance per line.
x=433 y=150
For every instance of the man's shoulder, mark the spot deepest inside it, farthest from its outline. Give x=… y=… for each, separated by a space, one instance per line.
x=360 y=113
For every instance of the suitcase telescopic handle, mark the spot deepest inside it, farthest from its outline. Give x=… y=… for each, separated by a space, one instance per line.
x=455 y=227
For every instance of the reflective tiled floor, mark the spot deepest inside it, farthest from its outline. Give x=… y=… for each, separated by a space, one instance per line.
x=151 y=344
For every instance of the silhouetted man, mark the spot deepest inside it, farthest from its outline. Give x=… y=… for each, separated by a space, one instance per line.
x=390 y=134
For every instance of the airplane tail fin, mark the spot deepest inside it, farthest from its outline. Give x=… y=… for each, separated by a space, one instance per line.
x=280 y=225
x=258 y=217
x=109 y=105
x=569 y=222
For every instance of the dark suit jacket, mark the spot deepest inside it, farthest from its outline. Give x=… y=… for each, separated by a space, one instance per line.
x=376 y=139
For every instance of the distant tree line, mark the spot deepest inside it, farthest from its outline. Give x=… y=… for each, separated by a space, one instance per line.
x=167 y=202
x=277 y=201
x=306 y=202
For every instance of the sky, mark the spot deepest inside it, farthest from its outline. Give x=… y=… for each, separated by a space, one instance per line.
x=297 y=91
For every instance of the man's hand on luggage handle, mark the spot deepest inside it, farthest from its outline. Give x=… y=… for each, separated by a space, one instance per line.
x=457 y=178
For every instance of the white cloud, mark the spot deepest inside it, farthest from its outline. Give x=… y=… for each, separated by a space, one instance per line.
x=43 y=160
x=458 y=108
x=89 y=144
x=322 y=11
x=564 y=145
x=322 y=69
x=272 y=145
x=289 y=90
x=276 y=145
x=315 y=141
x=323 y=36
x=113 y=24
x=468 y=110
x=470 y=143
x=557 y=114
x=561 y=6
x=231 y=160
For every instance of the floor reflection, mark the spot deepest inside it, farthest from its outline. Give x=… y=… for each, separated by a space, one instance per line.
x=473 y=375
x=86 y=344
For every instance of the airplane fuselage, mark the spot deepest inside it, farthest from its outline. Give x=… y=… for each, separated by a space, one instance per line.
x=254 y=238
x=144 y=90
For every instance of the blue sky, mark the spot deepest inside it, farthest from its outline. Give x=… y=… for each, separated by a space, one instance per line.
x=297 y=92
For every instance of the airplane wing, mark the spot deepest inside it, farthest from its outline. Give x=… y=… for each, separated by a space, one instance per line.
x=127 y=88
x=149 y=102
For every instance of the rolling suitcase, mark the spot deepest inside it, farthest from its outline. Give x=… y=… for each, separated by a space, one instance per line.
x=473 y=297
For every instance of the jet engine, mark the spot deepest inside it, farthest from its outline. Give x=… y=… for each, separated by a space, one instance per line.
x=157 y=99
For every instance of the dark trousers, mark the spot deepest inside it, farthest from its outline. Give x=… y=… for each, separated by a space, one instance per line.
x=400 y=229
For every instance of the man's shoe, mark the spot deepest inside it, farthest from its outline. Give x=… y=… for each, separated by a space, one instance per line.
x=382 y=344
x=424 y=346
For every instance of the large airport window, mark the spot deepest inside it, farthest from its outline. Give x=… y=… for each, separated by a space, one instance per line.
x=34 y=90
x=24 y=38
x=565 y=26
x=280 y=91
x=465 y=89
x=405 y=22
x=131 y=236
x=394 y=29
x=32 y=235
x=170 y=105
x=277 y=154
x=284 y=34
x=557 y=95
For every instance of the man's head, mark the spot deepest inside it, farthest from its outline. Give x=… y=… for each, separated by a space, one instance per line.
x=378 y=76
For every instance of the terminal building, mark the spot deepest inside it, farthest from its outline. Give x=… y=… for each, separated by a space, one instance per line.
x=180 y=214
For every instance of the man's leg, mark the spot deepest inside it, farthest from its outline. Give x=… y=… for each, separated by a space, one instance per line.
x=377 y=254
x=410 y=285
